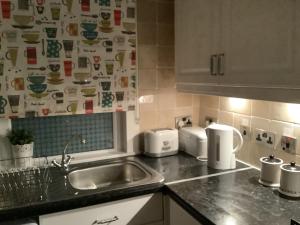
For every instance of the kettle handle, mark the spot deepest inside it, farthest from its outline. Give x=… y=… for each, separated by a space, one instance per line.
x=239 y=146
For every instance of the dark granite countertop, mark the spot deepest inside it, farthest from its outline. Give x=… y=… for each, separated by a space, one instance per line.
x=234 y=199
x=181 y=166
x=62 y=196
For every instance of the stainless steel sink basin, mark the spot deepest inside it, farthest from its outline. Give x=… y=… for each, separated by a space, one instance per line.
x=112 y=175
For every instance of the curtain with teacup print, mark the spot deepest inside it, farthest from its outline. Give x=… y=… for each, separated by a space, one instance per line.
x=62 y=57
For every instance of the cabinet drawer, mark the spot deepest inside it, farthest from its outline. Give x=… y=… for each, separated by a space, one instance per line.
x=133 y=211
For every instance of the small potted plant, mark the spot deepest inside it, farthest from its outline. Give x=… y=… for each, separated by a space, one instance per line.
x=22 y=143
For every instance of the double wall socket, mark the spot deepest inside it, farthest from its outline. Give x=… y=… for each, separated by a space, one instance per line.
x=183 y=121
x=265 y=138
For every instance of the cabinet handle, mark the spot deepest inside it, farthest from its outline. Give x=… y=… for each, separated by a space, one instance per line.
x=221 y=64
x=106 y=221
x=213 y=65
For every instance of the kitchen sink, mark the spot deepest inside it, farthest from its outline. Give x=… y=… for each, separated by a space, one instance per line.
x=112 y=175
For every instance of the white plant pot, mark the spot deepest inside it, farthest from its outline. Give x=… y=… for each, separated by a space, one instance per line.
x=23 y=155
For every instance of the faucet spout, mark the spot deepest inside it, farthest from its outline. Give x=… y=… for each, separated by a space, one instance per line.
x=66 y=159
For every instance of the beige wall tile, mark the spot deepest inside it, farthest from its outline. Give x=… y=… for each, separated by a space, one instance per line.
x=149 y=120
x=196 y=100
x=240 y=119
x=260 y=123
x=184 y=111
x=184 y=100
x=166 y=57
x=285 y=112
x=204 y=112
x=297 y=135
x=147 y=79
x=166 y=118
x=238 y=105
x=225 y=118
x=261 y=108
x=166 y=100
x=166 y=78
x=147 y=56
x=209 y=101
x=146 y=11
x=196 y=116
x=146 y=33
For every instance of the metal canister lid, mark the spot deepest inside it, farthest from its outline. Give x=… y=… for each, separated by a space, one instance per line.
x=271 y=159
x=292 y=167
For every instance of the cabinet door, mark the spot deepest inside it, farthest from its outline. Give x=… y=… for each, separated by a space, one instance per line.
x=258 y=42
x=178 y=216
x=197 y=38
x=134 y=211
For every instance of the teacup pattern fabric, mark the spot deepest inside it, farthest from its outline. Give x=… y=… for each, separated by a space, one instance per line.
x=63 y=57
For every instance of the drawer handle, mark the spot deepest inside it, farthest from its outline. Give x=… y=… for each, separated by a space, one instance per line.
x=221 y=64
x=106 y=221
x=213 y=65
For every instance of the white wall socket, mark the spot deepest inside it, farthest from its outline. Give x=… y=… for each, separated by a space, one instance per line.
x=258 y=136
x=288 y=144
x=245 y=131
x=265 y=138
x=269 y=141
x=183 y=121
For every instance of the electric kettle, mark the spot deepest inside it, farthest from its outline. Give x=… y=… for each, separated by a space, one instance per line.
x=220 y=150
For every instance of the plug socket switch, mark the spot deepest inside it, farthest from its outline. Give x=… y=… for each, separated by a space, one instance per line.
x=245 y=131
x=288 y=144
x=269 y=140
x=258 y=136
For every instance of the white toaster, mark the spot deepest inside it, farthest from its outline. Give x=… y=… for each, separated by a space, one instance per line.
x=193 y=140
x=161 y=142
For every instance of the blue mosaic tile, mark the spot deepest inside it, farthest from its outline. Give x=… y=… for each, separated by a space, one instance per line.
x=52 y=133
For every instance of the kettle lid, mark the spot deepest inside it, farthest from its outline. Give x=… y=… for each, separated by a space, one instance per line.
x=216 y=126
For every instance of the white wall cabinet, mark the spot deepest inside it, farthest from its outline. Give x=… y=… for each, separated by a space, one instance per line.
x=142 y=210
x=254 y=44
x=197 y=39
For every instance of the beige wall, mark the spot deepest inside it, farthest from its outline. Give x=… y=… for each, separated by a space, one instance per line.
x=161 y=102
x=271 y=116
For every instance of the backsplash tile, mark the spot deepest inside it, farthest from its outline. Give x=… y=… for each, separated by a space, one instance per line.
x=52 y=133
x=159 y=101
x=280 y=118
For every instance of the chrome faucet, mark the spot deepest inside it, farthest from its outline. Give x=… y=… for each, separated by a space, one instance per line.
x=66 y=159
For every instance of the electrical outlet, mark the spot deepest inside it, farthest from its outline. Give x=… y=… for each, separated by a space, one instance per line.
x=209 y=120
x=288 y=144
x=245 y=131
x=259 y=136
x=269 y=139
x=183 y=121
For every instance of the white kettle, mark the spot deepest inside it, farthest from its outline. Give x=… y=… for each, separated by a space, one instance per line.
x=220 y=151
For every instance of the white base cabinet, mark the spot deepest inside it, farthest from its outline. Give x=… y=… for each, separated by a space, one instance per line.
x=176 y=215
x=142 y=210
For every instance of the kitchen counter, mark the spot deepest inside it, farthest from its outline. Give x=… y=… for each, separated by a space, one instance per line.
x=234 y=199
x=181 y=166
x=62 y=196
x=217 y=197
